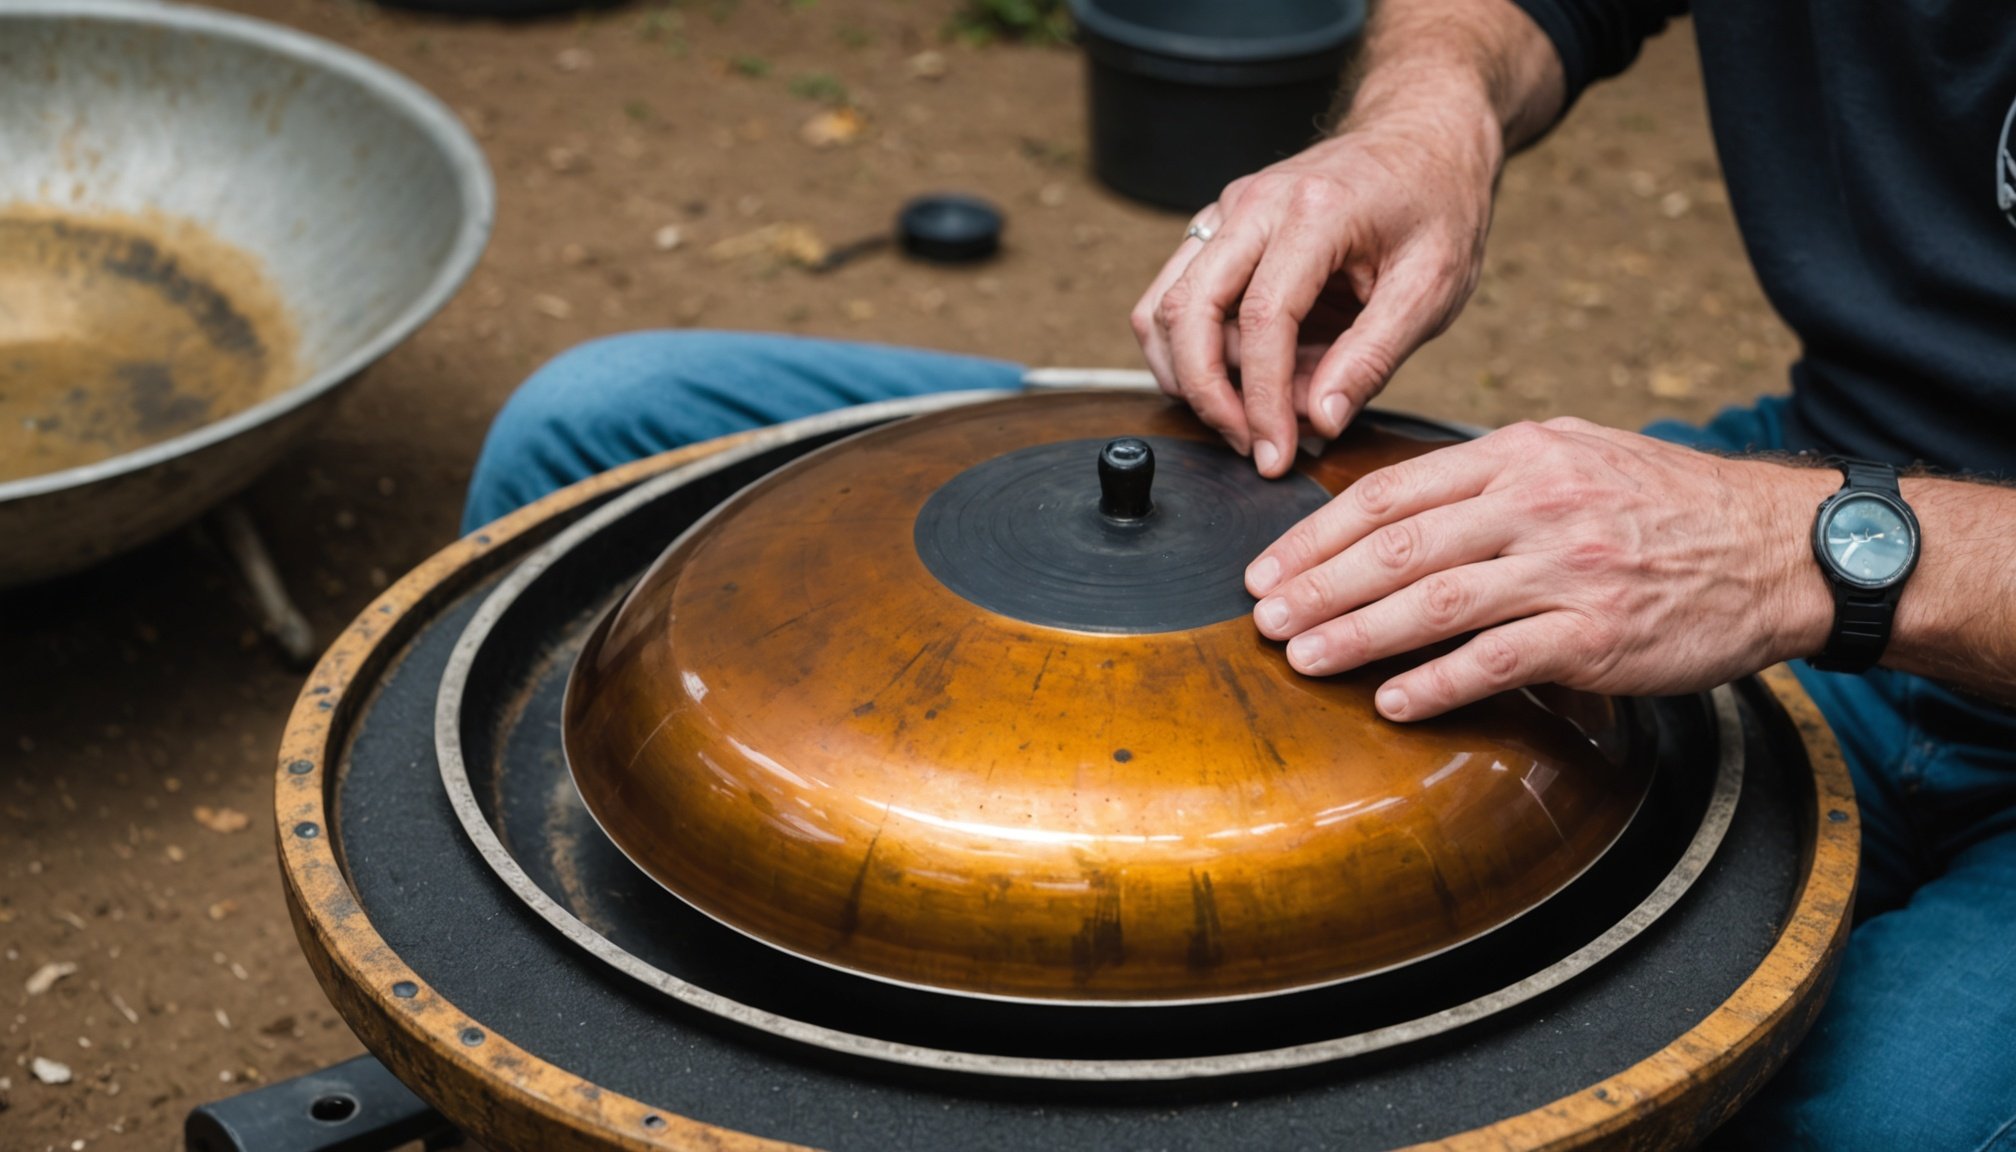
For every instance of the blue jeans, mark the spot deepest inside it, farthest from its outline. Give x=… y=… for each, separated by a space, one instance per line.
x=1917 y=1047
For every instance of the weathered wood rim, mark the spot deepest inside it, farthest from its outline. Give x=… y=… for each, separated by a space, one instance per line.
x=510 y=1097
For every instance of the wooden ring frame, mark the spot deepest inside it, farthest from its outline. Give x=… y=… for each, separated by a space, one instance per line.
x=509 y=1098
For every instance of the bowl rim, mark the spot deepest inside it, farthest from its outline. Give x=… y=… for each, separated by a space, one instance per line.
x=473 y=183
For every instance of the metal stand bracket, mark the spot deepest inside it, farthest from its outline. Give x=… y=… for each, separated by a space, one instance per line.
x=356 y=1106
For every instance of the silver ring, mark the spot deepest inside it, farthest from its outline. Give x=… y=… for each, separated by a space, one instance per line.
x=1199 y=232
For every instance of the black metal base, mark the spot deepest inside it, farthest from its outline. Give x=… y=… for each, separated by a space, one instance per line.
x=437 y=903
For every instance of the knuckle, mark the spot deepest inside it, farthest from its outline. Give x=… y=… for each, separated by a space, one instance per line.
x=1351 y=638
x=1396 y=545
x=1523 y=437
x=1175 y=302
x=1259 y=312
x=1497 y=657
x=1375 y=492
x=1310 y=594
x=1142 y=320
x=1569 y=424
x=1312 y=196
x=1444 y=600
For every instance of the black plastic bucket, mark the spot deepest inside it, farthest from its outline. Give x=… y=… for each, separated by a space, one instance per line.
x=1189 y=95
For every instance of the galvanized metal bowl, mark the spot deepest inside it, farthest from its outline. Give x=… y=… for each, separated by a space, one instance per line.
x=360 y=198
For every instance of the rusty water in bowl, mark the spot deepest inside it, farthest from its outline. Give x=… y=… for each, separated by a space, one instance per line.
x=117 y=332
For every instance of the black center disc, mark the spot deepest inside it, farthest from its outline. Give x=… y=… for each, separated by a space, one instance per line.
x=1022 y=535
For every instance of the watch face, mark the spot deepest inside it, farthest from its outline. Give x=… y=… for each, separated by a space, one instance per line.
x=1867 y=539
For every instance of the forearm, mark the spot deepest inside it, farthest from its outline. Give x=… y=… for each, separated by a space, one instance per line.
x=1479 y=66
x=1956 y=619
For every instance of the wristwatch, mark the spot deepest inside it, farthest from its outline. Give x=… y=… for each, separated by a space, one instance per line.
x=1866 y=540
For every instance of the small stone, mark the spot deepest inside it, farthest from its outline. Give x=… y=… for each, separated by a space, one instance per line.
x=1674 y=205
x=667 y=238
x=346 y=520
x=175 y=854
x=1051 y=195
x=46 y=976
x=387 y=486
x=574 y=60
x=860 y=310
x=927 y=66
x=1671 y=384
x=566 y=160
x=49 y=1071
x=574 y=255
x=222 y=909
x=552 y=306
x=223 y=820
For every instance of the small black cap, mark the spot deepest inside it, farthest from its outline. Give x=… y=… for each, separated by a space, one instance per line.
x=1126 y=476
x=949 y=229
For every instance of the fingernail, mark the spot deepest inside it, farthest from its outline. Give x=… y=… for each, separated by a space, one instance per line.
x=1266 y=455
x=1335 y=410
x=1392 y=702
x=1306 y=652
x=1263 y=575
x=1272 y=613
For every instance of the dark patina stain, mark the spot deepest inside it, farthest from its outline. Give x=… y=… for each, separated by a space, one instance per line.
x=850 y=912
x=1098 y=943
x=1207 y=936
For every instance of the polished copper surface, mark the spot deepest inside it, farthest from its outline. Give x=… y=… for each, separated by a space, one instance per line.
x=791 y=725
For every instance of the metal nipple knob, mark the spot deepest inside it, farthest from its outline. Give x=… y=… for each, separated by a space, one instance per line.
x=1126 y=473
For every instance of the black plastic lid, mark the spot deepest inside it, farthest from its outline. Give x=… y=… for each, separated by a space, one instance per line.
x=949 y=228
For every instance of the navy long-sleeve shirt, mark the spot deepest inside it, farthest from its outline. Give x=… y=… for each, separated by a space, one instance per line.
x=1870 y=163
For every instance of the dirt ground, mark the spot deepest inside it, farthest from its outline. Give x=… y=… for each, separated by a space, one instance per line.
x=139 y=709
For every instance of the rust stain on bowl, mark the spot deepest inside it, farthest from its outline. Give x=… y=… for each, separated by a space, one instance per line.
x=120 y=331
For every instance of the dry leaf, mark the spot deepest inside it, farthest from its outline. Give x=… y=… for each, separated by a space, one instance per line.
x=788 y=243
x=833 y=126
x=222 y=819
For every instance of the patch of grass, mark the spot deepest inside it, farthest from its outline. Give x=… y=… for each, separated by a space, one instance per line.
x=820 y=86
x=855 y=36
x=981 y=22
x=749 y=65
x=638 y=110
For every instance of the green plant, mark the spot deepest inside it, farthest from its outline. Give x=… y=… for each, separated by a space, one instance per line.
x=750 y=65
x=1036 y=21
x=820 y=86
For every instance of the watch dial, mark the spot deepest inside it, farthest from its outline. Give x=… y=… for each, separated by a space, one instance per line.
x=1867 y=539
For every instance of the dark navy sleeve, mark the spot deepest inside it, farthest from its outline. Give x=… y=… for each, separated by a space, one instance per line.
x=1599 y=38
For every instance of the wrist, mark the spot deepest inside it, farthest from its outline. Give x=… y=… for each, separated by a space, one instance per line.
x=1437 y=104
x=1794 y=598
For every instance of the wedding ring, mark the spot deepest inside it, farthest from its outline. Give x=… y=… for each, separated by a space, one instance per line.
x=1199 y=232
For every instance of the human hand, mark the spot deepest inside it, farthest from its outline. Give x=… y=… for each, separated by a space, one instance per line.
x=1578 y=555
x=1323 y=274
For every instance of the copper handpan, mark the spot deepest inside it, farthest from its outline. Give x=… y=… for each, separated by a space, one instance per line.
x=969 y=702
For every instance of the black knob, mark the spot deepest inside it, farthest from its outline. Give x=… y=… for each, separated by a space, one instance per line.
x=1126 y=473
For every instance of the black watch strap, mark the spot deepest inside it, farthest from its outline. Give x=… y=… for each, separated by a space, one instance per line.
x=1862 y=617
x=1864 y=474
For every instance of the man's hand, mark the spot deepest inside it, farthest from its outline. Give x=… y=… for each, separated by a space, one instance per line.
x=1326 y=271
x=1578 y=555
